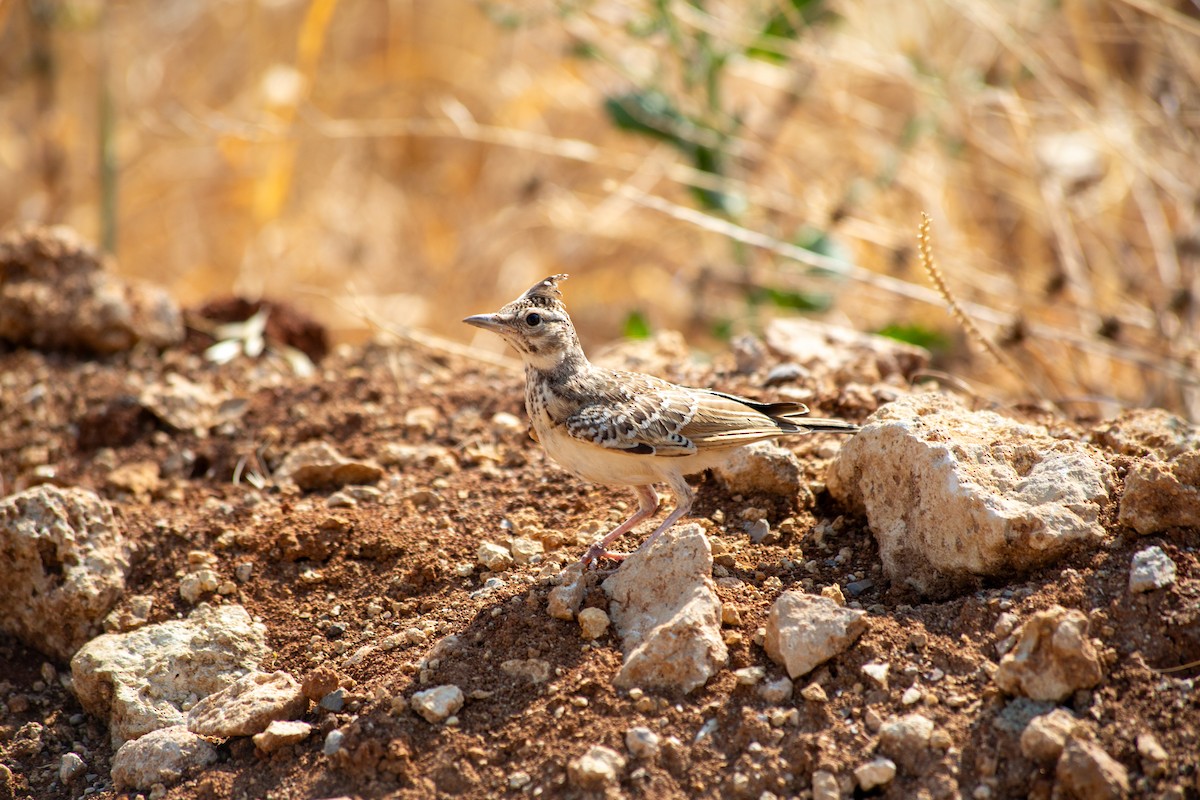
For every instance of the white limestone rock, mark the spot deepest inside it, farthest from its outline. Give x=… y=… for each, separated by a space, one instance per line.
x=906 y=739
x=875 y=773
x=1162 y=494
x=247 y=706
x=565 y=598
x=593 y=622
x=65 y=559
x=853 y=356
x=318 y=465
x=1044 y=737
x=162 y=757
x=596 y=769
x=1086 y=772
x=762 y=467
x=951 y=493
x=282 y=733
x=825 y=786
x=1053 y=657
x=141 y=680
x=642 y=742
x=1151 y=569
x=493 y=557
x=665 y=608
x=437 y=704
x=804 y=631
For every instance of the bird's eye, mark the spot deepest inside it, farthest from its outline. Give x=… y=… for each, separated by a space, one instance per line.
x=533 y=320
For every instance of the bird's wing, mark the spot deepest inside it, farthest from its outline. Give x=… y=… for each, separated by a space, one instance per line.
x=635 y=414
x=723 y=420
x=644 y=415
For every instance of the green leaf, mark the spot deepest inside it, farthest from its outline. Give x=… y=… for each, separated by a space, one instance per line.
x=649 y=113
x=781 y=27
x=583 y=50
x=787 y=298
x=637 y=326
x=916 y=334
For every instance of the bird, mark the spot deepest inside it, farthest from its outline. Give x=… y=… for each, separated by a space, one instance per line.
x=627 y=428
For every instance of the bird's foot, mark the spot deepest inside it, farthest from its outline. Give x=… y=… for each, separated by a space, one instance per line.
x=597 y=551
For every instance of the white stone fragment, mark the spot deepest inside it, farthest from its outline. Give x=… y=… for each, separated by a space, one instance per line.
x=494 y=557
x=1152 y=569
x=642 y=742
x=1085 y=770
x=878 y=672
x=804 y=631
x=282 y=733
x=597 y=768
x=749 y=676
x=65 y=559
x=1043 y=739
x=438 y=703
x=905 y=739
x=526 y=551
x=1053 y=657
x=825 y=786
x=247 y=706
x=593 y=622
x=664 y=606
x=762 y=468
x=70 y=767
x=162 y=756
x=776 y=691
x=142 y=680
x=876 y=772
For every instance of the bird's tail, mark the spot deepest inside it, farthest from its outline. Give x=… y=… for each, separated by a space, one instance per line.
x=819 y=425
x=792 y=418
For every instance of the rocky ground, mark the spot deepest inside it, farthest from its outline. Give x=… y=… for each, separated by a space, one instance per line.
x=351 y=583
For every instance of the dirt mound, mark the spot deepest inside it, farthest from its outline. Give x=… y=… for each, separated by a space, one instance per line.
x=375 y=592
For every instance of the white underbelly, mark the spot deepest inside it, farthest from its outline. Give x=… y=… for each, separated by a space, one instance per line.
x=601 y=465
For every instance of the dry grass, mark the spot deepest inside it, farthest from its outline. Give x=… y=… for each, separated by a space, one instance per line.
x=414 y=162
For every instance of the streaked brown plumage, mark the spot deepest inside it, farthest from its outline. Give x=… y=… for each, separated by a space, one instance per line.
x=626 y=428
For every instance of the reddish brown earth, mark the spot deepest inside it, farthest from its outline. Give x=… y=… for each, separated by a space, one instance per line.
x=327 y=581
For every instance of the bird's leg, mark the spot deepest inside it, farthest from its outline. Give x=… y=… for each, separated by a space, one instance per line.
x=647 y=505
x=683 y=504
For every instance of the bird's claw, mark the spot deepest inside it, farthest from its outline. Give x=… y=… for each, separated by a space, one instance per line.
x=597 y=552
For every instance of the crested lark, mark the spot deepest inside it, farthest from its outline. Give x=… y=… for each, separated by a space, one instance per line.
x=626 y=428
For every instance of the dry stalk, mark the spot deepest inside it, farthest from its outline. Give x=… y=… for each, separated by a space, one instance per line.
x=925 y=248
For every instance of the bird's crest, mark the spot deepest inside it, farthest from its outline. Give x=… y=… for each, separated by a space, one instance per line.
x=545 y=293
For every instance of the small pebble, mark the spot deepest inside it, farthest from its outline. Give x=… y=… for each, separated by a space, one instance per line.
x=1151 y=569
x=642 y=742
x=855 y=588
x=494 y=557
x=334 y=701
x=834 y=593
x=814 y=693
x=333 y=742
x=71 y=767
x=593 y=622
x=877 y=672
x=749 y=676
x=875 y=773
x=776 y=691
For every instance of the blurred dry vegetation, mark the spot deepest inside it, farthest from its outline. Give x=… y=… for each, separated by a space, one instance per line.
x=698 y=166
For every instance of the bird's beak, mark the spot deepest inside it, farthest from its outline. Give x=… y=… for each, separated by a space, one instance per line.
x=489 y=322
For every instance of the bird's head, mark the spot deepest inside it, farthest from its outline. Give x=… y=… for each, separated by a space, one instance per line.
x=536 y=324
